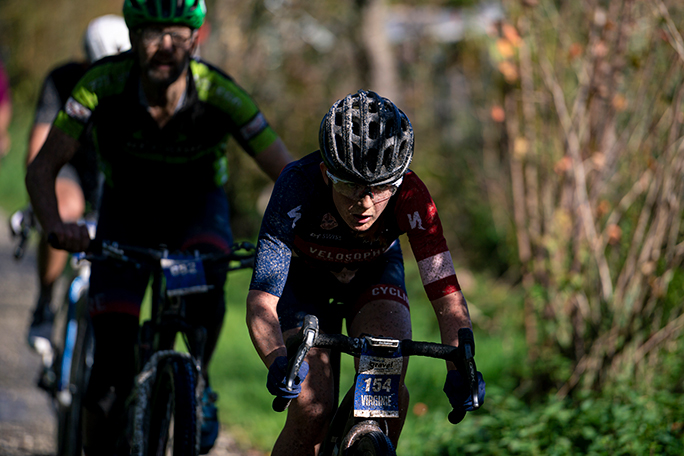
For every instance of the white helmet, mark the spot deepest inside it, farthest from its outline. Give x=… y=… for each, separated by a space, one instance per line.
x=106 y=35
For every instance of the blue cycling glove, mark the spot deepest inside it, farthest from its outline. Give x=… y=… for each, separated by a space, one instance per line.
x=458 y=392
x=277 y=374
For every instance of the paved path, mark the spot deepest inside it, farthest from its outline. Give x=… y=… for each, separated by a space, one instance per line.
x=27 y=422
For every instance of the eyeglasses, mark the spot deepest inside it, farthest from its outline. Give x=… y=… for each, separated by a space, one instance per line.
x=356 y=192
x=154 y=36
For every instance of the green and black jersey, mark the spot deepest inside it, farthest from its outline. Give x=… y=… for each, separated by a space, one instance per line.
x=187 y=155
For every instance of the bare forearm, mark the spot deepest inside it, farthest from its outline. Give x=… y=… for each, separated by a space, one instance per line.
x=452 y=314
x=37 y=138
x=40 y=185
x=264 y=329
x=273 y=159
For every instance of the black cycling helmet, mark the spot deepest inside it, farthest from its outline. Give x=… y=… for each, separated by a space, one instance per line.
x=182 y=12
x=366 y=139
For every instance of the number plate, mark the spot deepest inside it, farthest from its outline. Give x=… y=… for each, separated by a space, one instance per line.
x=376 y=394
x=184 y=275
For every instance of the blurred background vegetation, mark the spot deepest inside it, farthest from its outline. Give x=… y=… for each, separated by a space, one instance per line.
x=550 y=135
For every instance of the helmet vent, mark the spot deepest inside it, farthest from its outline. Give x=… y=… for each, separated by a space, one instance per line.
x=389 y=128
x=166 y=9
x=339 y=142
x=356 y=127
x=136 y=5
x=388 y=156
x=356 y=152
x=372 y=159
x=373 y=130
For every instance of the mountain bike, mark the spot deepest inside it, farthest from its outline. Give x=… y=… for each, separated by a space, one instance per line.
x=166 y=400
x=67 y=356
x=354 y=430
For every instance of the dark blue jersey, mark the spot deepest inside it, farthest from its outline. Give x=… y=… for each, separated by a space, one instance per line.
x=302 y=221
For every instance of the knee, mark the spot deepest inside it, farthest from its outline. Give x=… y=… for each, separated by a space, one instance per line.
x=70 y=200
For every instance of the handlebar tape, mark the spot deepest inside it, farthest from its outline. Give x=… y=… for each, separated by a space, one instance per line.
x=466 y=346
x=280 y=404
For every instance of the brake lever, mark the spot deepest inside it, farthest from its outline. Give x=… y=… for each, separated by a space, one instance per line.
x=466 y=347
x=300 y=344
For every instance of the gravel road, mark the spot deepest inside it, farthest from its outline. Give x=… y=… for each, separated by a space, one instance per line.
x=27 y=422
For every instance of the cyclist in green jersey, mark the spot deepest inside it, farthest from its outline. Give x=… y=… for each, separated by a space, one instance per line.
x=160 y=120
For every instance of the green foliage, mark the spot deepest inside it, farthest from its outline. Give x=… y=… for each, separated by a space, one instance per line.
x=12 y=167
x=621 y=422
x=239 y=376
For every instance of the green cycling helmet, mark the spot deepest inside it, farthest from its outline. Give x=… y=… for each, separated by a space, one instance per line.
x=184 y=12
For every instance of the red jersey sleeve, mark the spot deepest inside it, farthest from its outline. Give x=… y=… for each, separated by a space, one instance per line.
x=417 y=216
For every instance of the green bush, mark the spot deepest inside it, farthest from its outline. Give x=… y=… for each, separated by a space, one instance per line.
x=622 y=421
x=12 y=168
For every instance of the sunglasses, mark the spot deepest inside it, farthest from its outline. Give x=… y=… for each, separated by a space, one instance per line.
x=356 y=192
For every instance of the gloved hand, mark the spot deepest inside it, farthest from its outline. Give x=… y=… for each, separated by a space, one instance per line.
x=458 y=392
x=277 y=374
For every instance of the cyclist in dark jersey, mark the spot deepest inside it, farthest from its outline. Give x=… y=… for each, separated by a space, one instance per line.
x=77 y=184
x=329 y=246
x=160 y=120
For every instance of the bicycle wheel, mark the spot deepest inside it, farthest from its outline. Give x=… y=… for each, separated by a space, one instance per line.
x=366 y=439
x=76 y=362
x=372 y=444
x=173 y=425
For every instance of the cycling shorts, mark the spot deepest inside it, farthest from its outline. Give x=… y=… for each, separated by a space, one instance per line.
x=317 y=292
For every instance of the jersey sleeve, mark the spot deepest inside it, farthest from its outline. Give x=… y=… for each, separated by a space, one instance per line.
x=274 y=247
x=417 y=216
x=49 y=102
x=79 y=107
x=251 y=130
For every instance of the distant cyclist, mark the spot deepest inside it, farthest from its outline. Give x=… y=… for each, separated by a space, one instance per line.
x=77 y=184
x=161 y=120
x=329 y=246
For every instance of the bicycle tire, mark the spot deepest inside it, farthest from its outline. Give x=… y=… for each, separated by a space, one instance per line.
x=173 y=422
x=372 y=444
x=366 y=439
x=69 y=438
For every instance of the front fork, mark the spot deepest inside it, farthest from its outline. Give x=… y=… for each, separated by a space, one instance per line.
x=161 y=334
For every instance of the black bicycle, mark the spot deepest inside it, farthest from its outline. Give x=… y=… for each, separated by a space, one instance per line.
x=67 y=356
x=354 y=430
x=166 y=400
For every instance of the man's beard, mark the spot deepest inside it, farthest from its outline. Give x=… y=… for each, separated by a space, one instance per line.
x=164 y=78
